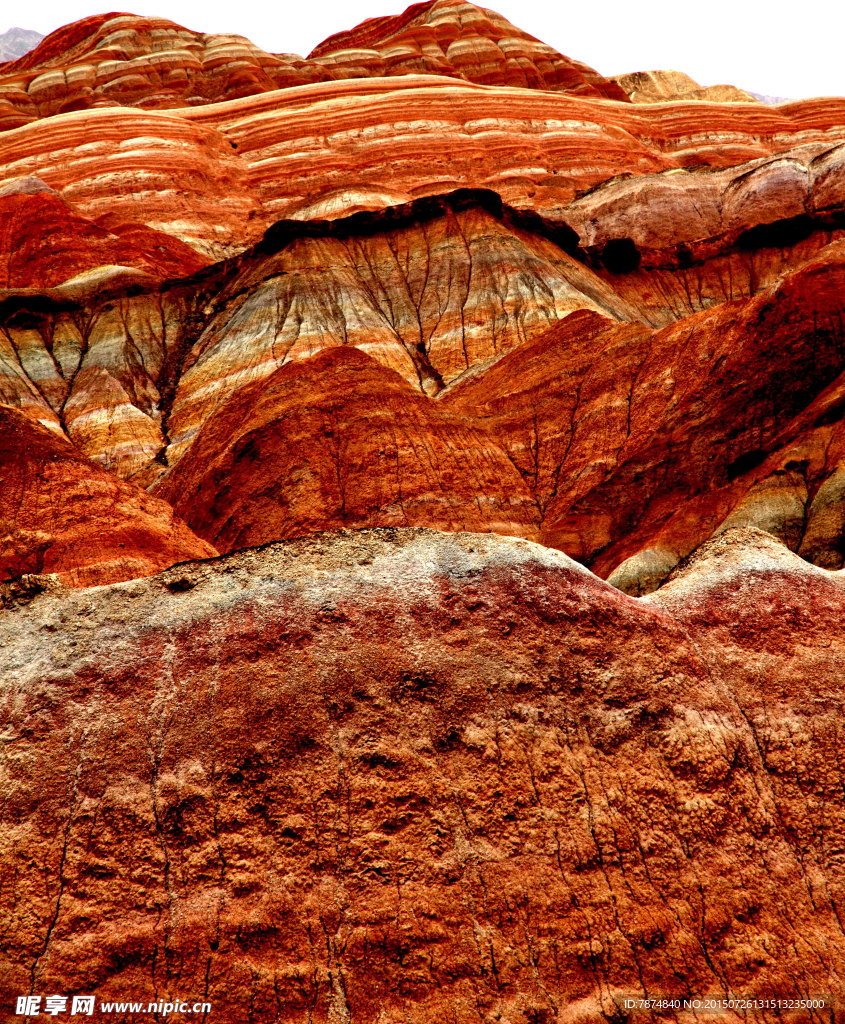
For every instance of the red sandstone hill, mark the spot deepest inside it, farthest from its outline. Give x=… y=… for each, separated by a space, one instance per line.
x=536 y=703
x=44 y=242
x=458 y=39
x=62 y=515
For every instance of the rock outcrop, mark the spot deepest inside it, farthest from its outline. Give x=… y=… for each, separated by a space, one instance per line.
x=430 y=290
x=45 y=242
x=595 y=414
x=575 y=419
x=430 y=777
x=318 y=150
x=671 y=86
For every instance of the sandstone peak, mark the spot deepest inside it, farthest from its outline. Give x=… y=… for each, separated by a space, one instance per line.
x=29 y=185
x=733 y=555
x=15 y=42
x=459 y=39
x=672 y=86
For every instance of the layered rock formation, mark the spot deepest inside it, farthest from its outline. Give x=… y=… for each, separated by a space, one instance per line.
x=458 y=39
x=595 y=415
x=125 y=60
x=463 y=298
x=534 y=708
x=430 y=290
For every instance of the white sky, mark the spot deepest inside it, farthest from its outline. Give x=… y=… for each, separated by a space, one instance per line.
x=790 y=48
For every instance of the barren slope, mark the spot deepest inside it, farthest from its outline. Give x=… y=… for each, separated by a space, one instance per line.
x=439 y=777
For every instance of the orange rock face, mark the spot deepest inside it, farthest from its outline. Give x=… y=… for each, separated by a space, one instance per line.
x=124 y=60
x=422 y=528
x=364 y=450
x=62 y=515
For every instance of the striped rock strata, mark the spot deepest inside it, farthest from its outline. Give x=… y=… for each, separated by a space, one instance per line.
x=153 y=169
x=216 y=176
x=130 y=370
x=394 y=774
x=126 y=60
x=458 y=39
x=319 y=150
x=429 y=290
x=591 y=414
x=111 y=60
x=414 y=776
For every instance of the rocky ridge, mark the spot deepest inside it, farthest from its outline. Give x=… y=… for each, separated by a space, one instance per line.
x=612 y=795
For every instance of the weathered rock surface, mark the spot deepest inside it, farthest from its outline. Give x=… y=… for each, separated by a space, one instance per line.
x=111 y=60
x=60 y=514
x=429 y=290
x=407 y=775
x=150 y=168
x=434 y=275
x=317 y=150
x=463 y=298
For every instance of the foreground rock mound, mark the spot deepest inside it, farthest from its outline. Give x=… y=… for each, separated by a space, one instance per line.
x=425 y=776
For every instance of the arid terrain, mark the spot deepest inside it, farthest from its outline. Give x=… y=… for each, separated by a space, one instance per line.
x=422 y=531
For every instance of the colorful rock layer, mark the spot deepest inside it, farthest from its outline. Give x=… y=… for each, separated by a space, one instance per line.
x=422 y=521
